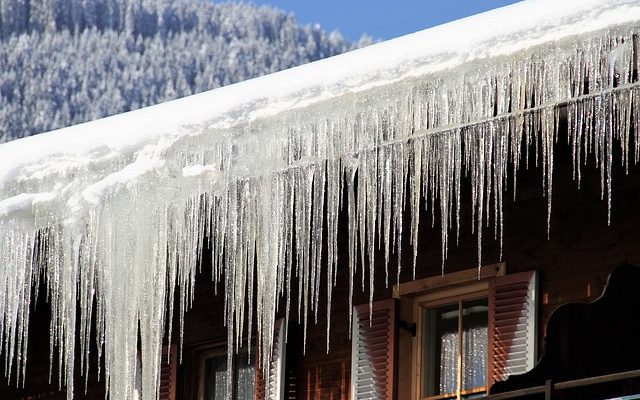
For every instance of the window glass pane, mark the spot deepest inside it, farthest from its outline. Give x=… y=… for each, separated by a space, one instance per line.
x=474 y=343
x=440 y=354
x=246 y=376
x=215 y=377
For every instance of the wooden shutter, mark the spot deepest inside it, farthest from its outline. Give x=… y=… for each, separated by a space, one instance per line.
x=273 y=387
x=373 y=347
x=512 y=324
x=168 y=372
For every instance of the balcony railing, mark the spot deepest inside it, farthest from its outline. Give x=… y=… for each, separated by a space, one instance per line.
x=550 y=387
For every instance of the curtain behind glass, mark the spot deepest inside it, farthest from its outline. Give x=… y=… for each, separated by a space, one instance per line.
x=440 y=355
x=474 y=344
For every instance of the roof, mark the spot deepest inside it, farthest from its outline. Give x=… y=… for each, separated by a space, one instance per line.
x=430 y=54
x=118 y=208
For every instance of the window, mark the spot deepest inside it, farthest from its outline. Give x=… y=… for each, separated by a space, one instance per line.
x=451 y=346
x=454 y=349
x=472 y=328
x=246 y=381
x=214 y=375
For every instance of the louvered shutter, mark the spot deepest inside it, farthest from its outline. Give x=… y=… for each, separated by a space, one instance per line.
x=168 y=372
x=273 y=387
x=373 y=347
x=512 y=324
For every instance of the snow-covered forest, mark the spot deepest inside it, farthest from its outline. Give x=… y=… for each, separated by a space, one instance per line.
x=64 y=62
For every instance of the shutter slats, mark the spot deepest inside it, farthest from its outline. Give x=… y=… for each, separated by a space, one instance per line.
x=168 y=373
x=260 y=385
x=510 y=296
x=507 y=319
x=272 y=387
x=512 y=306
x=373 y=351
x=512 y=325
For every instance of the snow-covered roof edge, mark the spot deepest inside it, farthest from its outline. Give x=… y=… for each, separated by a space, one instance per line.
x=114 y=212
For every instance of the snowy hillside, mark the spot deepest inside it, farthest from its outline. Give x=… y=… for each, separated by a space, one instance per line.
x=63 y=62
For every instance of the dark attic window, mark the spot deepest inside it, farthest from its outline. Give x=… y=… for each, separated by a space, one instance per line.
x=214 y=377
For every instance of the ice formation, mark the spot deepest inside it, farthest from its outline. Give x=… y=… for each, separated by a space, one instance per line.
x=112 y=215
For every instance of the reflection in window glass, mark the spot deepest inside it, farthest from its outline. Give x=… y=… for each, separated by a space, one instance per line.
x=474 y=343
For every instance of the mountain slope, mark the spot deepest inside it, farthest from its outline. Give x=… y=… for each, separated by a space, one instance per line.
x=64 y=62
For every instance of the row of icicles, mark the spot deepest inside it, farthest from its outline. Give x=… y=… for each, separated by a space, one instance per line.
x=271 y=216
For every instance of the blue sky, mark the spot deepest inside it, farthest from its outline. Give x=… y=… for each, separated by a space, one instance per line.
x=384 y=19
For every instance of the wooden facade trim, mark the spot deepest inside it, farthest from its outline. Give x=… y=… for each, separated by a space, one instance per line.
x=425 y=285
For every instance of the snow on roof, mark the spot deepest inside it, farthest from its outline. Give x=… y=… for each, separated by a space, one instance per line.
x=115 y=211
x=499 y=32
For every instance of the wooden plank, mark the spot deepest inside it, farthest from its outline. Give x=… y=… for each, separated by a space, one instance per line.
x=565 y=385
x=597 y=379
x=405 y=354
x=421 y=286
x=460 y=346
x=548 y=390
x=515 y=393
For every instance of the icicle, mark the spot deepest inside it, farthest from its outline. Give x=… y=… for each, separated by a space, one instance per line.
x=351 y=210
x=415 y=190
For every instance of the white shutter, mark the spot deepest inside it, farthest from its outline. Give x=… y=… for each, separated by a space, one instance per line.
x=512 y=325
x=373 y=347
x=272 y=387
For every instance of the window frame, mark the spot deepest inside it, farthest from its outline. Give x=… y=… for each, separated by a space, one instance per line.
x=475 y=291
x=433 y=291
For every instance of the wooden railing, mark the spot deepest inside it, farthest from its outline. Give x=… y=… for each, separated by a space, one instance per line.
x=549 y=387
